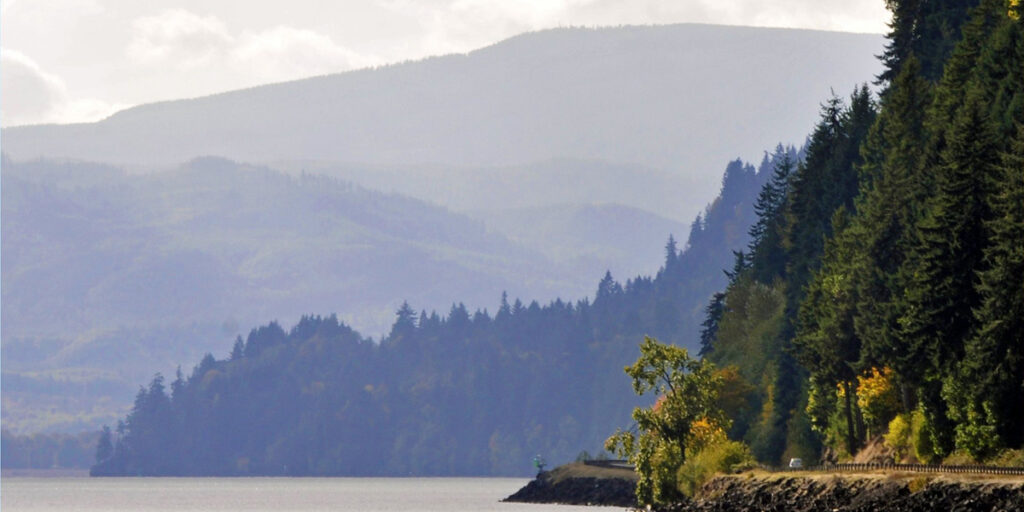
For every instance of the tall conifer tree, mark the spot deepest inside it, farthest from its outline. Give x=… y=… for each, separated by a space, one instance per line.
x=893 y=188
x=952 y=237
x=993 y=366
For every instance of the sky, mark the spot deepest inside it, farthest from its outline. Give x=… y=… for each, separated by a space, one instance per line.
x=64 y=61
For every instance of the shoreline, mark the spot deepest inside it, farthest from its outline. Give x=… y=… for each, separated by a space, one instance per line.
x=581 y=483
x=44 y=473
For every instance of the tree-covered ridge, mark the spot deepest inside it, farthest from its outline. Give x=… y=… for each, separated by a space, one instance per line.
x=893 y=300
x=881 y=293
x=462 y=393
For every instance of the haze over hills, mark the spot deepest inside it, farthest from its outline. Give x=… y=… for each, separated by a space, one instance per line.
x=588 y=236
x=108 y=277
x=678 y=98
x=530 y=166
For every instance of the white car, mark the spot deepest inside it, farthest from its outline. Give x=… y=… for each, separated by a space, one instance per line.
x=796 y=463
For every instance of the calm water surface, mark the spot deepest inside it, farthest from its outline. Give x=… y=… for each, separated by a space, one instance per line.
x=266 y=494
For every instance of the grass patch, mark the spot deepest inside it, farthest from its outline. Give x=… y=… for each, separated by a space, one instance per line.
x=917 y=484
x=581 y=470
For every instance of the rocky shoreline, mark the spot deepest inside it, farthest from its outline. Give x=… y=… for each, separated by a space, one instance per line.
x=578 y=484
x=854 y=493
x=788 y=492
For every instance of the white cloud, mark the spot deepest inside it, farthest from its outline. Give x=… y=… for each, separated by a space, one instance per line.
x=840 y=15
x=30 y=95
x=462 y=25
x=178 y=36
x=127 y=51
x=283 y=53
x=203 y=44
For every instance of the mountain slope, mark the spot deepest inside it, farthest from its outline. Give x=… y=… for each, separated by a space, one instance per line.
x=594 y=237
x=667 y=97
x=108 y=277
x=217 y=240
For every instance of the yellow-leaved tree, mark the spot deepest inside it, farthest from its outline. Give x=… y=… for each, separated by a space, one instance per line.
x=686 y=413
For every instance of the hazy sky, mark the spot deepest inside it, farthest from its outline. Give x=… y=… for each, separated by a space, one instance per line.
x=81 y=60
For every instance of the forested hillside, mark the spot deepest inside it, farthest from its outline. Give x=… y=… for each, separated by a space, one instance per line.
x=883 y=290
x=465 y=392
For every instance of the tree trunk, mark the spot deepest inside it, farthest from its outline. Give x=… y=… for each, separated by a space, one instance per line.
x=851 y=442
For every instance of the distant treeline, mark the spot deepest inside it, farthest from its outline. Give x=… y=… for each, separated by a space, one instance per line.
x=48 y=451
x=467 y=393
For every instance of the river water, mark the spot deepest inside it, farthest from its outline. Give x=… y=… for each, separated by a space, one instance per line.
x=265 y=494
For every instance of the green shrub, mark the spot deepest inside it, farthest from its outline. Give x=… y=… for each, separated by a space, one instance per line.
x=899 y=436
x=976 y=437
x=920 y=439
x=723 y=457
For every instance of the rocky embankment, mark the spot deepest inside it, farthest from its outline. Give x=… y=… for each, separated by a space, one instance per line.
x=855 y=493
x=581 y=484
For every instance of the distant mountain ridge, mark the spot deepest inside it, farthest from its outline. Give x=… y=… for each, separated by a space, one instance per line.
x=460 y=394
x=109 y=276
x=552 y=152
x=681 y=98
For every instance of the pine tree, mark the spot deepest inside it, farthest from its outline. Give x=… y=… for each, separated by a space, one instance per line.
x=806 y=210
x=957 y=72
x=740 y=263
x=893 y=187
x=671 y=254
x=607 y=288
x=238 y=349
x=405 y=322
x=826 y=343
x=105 y=446
x=928 y=29
x=951 y=240
x=709 y=327
x=767 y=257
x=993 y=365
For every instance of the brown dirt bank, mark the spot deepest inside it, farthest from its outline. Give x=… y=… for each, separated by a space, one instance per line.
x=855 y=493
x=581 y=484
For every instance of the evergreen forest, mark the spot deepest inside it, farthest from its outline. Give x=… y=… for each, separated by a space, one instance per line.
x=873 y=292
x=882 y=292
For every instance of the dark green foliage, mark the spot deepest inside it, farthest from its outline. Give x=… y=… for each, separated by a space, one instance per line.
x=826 y=343
x=709 y=328
x=928 y=29
x=951 y=241
x=994 y=357
x=921 y=269
x=827 y=180
x=767 y=254
x=893 y=193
